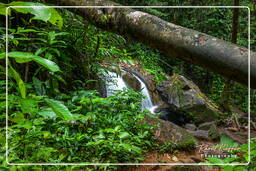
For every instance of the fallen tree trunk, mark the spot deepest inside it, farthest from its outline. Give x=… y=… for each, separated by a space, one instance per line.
x=200 y=49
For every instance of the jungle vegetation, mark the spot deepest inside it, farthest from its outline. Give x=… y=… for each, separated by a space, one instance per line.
x=56 y=113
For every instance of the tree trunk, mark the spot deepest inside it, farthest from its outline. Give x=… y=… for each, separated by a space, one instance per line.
x=200 y=49
x=226 y=93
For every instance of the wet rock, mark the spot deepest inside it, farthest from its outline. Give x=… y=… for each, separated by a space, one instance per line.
x=201 y=134
x=190 y=127
x=131 y=81
x=169 y=132
x=183 y=94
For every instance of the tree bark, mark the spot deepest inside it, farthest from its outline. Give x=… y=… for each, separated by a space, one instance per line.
x=200 y=49
x=226 y=94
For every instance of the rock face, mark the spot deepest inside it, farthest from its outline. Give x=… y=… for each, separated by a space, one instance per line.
x=184 y=95
x=131 y=81
x=169 y=132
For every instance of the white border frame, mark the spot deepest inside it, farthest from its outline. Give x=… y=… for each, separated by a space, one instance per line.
x=120 y=164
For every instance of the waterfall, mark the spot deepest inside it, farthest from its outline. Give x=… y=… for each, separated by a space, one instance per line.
x=115 y=82
x=146 y=102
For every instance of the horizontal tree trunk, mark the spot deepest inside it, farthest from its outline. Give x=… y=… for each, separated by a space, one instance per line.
x=200 y=49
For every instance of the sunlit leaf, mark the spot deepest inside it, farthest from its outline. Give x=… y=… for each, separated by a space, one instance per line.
x=39 y=12
x=124 y=135
x=47 y=64
x=48 y=113
x=27 y=56
x=60 y=109
x=56 y=18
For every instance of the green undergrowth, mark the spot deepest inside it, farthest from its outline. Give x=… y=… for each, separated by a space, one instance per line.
x=101 y=130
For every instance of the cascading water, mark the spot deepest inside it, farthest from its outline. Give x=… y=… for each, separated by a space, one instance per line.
x=146 y=102
x=115 y=82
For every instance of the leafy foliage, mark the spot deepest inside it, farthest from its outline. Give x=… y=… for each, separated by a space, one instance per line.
x=54 y=75
x=99 y=130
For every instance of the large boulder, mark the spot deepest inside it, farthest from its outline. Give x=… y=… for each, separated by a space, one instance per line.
x=184 y=95
x=167 y=132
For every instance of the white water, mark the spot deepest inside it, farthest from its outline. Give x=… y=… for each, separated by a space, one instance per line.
x=146 y=102
x=115 y=82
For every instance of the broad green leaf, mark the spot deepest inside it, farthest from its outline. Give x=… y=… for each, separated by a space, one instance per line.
x=48 y=113
x=40 y=13
x=47 y=63
x=56 y=18
x=60 y=109
x=29 y=105
x=21 y=55
x=21 y=84
x=124 y=135
x=20 y=60
x=27 y=56
x=37 y=9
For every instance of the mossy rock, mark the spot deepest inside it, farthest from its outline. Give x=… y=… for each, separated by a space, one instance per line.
x=184 y=95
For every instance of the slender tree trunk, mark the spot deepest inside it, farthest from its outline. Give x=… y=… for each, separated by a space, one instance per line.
x=198 y=48
x=226 y=93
